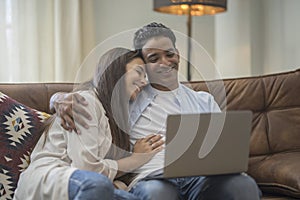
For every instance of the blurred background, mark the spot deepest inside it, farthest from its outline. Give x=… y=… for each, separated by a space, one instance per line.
x=49 y=40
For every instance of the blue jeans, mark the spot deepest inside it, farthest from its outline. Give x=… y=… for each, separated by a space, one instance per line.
x=88 y=185
x=228 y=187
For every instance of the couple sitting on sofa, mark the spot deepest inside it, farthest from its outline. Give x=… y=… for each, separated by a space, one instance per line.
x=79 y=166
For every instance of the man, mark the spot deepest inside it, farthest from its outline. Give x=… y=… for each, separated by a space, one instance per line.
x=165 y=95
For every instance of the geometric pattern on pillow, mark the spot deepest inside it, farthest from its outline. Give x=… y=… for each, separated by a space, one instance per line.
x=20 y=129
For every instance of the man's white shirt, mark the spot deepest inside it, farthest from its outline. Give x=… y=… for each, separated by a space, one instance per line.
x=153 y=120
x=148 y=115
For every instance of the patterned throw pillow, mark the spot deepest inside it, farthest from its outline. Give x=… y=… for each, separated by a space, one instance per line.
x=19 y=132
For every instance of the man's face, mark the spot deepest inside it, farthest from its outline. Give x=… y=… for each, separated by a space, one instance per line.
x=162 y=60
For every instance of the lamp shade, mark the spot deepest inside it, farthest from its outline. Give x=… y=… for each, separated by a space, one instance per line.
x=190 y=7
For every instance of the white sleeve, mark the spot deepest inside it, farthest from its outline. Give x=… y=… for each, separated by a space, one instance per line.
x=87 y=150
x=207 y=102
x=213 y=104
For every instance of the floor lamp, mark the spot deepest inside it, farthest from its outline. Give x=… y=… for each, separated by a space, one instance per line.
x=190 y=8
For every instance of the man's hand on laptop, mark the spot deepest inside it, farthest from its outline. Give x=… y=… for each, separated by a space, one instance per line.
x=70 y=106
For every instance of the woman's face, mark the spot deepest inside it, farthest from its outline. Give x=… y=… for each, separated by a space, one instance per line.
x=135 y=78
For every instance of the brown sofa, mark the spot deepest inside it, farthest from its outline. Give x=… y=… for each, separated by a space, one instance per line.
x=275 y=141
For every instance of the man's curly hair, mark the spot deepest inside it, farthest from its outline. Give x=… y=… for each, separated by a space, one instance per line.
x=149 y=31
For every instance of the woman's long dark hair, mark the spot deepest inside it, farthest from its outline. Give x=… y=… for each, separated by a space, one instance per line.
x=110 y=88
x=109 y=83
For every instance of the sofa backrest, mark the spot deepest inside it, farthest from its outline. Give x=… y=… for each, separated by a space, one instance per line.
x=275 y=102
x=34 y=95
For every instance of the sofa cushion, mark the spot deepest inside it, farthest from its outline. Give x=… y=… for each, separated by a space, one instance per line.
x=20 y=129
x=278 y=173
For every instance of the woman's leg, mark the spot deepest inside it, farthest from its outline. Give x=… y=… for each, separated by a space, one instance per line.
x=88 y=185
x=124 y=195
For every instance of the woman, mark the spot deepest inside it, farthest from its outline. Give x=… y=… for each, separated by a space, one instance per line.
x=82 y=166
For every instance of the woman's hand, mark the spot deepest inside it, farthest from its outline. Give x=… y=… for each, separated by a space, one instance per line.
x=145 y=148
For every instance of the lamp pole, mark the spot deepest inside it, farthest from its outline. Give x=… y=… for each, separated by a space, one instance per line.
x=189 y=32
x=196 y=8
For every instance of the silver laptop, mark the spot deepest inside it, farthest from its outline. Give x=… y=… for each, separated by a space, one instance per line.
x=207 y=144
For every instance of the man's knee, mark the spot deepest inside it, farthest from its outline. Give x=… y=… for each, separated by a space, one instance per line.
x=241 y=186
x=233 y=187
